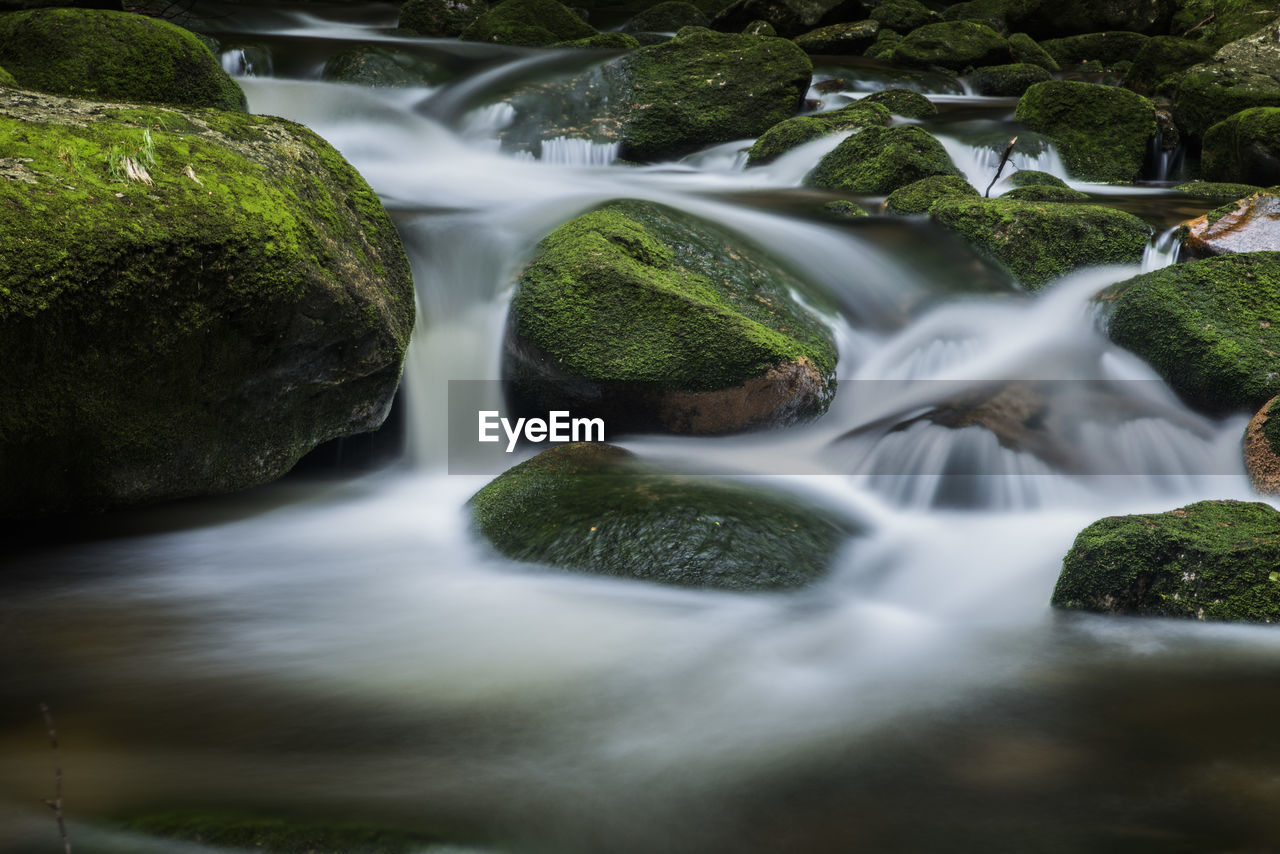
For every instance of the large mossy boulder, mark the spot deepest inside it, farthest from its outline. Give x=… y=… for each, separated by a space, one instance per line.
x=533 y=23
x=839 y=39
x=1040 y=241
x=903 y=102
x=375 y=65
x=918 y=197
x=1026 y=50
x=1244 y=148
x=1007 y=80
x=1241 y=75
x=189 y=302
x=796 y=131
x=789 y=18
x=1249 y=224
x=1107 y=48
x=440 y=18
x=877 y=161
x=1159 y=63
x=113 y=56
x=1208 y=327
x=956 y=45
x=595 y=508
x=903 y=16
x=1102 y=132
x=1213 y=560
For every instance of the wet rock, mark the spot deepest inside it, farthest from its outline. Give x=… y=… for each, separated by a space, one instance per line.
x=1107 y=48
x=789 y=18
x=1007 y=80
x=1035 y=178
x=796 y=131
x=903 y=102
x=1241 y=75
x=666 y=17
x=956 y=45
x=1251 y=224
x=903 y=16
x=1262 y=449
x=372 y=65
x=656 y=321
x=844 y=210
x=1091 y=16
x=1159 y=63
x=535 y=23
x=918 y=197
x=839 y=39
x=1244 y=148
x=878 y=161
x=440 y=18
x=1102 y=132
x=1212 y=190
x=1213 y=560
x=598 y=509
x=1025 y=50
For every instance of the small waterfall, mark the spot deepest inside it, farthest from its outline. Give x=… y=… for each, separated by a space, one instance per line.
x=249 y=61
x=567 y=151
x=979 y=162
x=485 y=122
x=1162 y=251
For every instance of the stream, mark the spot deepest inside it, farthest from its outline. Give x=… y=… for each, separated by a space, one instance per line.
x=338 y=645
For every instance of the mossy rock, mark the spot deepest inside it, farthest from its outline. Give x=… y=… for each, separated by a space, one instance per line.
x=1213 y=191
x=666 y=17
x=113 y=56
x=192 y=335
x=603 y=41
x=1000 y=15
x=839 y=39
x=1215 y=23
x=1046 y=193
x=22 y=5
x=1240 y=76
x=903 y=16
x=597 y=509
x=280 y=835
x=1208 y=327
x=1007 y=80
x=1244 y=148
x=918 y=197
x=440 y=18
x=374 y=65
x=1250 y=224
x=759 y=28
x=1034 y=178
x=1026 y=50
x=1107 y=48
x=6 y=79
x=956 y=45
x=1160 y=62
x=533 y=23
x=1101 y=132
x=656 y=321
x=789 y=18
x=1041 y=241
x=1213 y=560
x=903 y=102
x=1262 y=449
x=879 y=160
x=882 y=47
x=796 y=131
x=843 y=210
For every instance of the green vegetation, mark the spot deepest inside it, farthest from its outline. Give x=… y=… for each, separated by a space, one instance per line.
x=1025 y=50
x=603 y=41
x=1046 y=193
x=1007 y=80
x=1034 y=178
x=1240 y=76
x=1159 y=63
x=1102 y=132
x=877 y=161
x=918 y=197
x=1211 y=190
x=794 y=132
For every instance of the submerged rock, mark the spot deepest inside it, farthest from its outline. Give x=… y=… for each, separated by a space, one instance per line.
x=1262 y=449
x=535 y=23
x=656 y=321
x=597 y=509
x=918 y=197
x=1251 y=224
x=113 y=56
x=1007 y=80
x=956 y=45
x=1244 y=148
x=189 y=302
x=372 y=65
x=440 y=18
x=839 y=39
x=1213 y=560
x=877 y=161
x=796 y=131
x=1241 y=75
x=789 y=18
x=1102 y=132
x=903 y=102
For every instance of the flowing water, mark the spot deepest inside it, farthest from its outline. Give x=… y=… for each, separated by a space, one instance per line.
x=341 y=647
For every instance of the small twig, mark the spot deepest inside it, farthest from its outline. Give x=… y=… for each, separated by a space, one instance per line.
x=56 y=803
x=1201 y=24
x=1004 y=158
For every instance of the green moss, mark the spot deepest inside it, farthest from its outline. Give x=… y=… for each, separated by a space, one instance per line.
x=594 y=508
x=956 y=45
x=843 y=210
x=113 y=56
x=839 y=39
x=882 y=48
x=1101 y=132
x=373 y=65
x=1107 y=48
x=440 y=18
x=1210 y=190
x=794 y=132
x=1025 y=50
x=1046 y=193
x=1002 y=15
x=1217 y=22
x=918 y=197
x=1160 y=62
x=1244 y=148
x=279 y=836
x=1033 y=178
x=903 y=102
x=1007 y=80
x=903 y=16
x=879 y=160
x=6 y=79
x=535 y=23
x=667 y=17
x=1208 y=327
x=1040 y=241
x=603 y=41
x=1214 y=560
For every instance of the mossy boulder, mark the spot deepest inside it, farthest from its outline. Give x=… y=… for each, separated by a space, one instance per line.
x=796 y=131
x=843 y=210
x=1026 y=50
x=113 y=56
x=1241 y=75
x=534 y=23
x=1107 y=48
x=374 y=65
x=1215 y=190
x=1102 y=132
x=839 y=39
x=1001 y=15
x=656 y=321
x=882 y=47
x=1244 y=148
x=1007 y=80
x=903 y=16
x=603 y=41
x=1262 y=449
x=666 y=17
x=1040 y=241
x=1208 y=327
x=1160 y=61
x=598 y=509
x=918 y=197
x=789 y=18
x=440 y=18
x=1035 y=178
x=956 y=45
x=1250 y=224
x=1046 y=193
x=759 y=28
x=903 y=102
x=189 y=302
x=877 y=161
x=1213 y=560
x=1215 y=23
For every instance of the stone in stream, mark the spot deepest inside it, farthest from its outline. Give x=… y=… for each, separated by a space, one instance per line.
x=89 y=53
x=918 y=197
x=789 y=18
x=1213 y=560
x=903 y=102
x=534 y=23
x=667 y=17
x=1102 y=132
x=374 y=65
x=1160 y=62
x=440 y=18
x=882 y=48
x=1046 y=193
x=1035 y=178
x=1026 y=50
x=1251 y=224
x=1210 y=328
x=1000 y=15
x=903 y=16
x=1262 y=449
x=656 y=321
x=1107 y=48
x=1244 y=147
x=796 y=131
x=878 y=160
x=839 y=39
x=1241 y=75
x=1007 y=80
x=1215 y=190
x=596 y=508
x=189 y=302
x=956 y=45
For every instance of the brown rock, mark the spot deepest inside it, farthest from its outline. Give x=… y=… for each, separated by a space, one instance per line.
x=1251 y=224
x=1260 y=457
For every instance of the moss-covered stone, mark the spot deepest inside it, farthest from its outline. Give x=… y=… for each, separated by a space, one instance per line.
x=113 y=56
x=603 y=41
x=534 y=23
x=654 y=320
x=1000 y=15
x=22 y=5
x=1213 y=560
x=1218 y=22
x=1025 y=49
x=1242 y=74
x=1244 y=147
x=843 y=210
x=903 y=16
x=374 y=65
x=1160 y=61
x=918 y=197
x=1101 y=132
x=280 y=835
x=903 y=102
x=1034 y=178
x=666 y=17
x=1007 y=80
x=789 y=18
x=6 y=79
x=1211 y=190
x=1208 y=327
x=1040 y=241
x=796 y=131
x=878 y=161
x=759 y=28
x=1107 y=48
x=956 y=45
x=839 y=39
x=882 y=47
x=596 y=509
x=1046 y=193
x=440 y=18
x=189 y=302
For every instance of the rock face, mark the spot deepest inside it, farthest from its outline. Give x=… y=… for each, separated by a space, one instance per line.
x=877 y=161
x=917 y=198
x=794 y=132
x=1244 y=148
x=1214 y=560
x=1040 y=241
x=1207 y=327
x=535 y=23
x=1102 y=132
x=594 y=508
x=656 y=321
x=1251 y=224
x=113 y=56
x=1241 y=75
x=189 y=302
x=1262 y=449
x=1007 y=80
x=789 y=18
x=956 y=45
x=440 y=18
